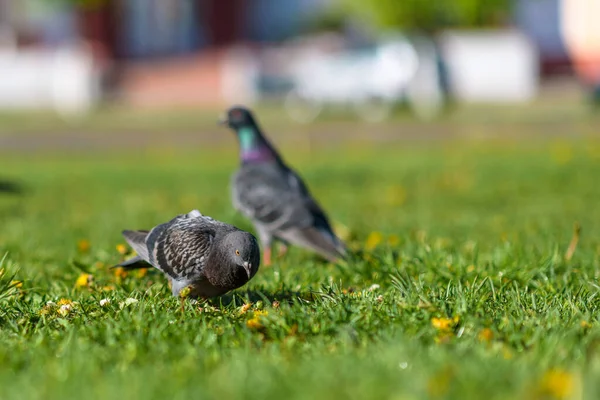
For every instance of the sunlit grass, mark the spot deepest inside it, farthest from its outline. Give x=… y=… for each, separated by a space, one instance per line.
x=462 y=285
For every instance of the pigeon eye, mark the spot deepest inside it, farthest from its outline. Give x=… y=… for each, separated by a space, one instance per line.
x=237 y=252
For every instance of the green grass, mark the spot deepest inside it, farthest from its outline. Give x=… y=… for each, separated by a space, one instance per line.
x=478 y=236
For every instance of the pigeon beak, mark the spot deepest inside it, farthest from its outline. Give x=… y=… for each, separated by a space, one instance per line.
x=248 y=268
x=223 y=120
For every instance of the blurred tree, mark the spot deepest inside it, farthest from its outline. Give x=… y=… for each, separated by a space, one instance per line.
x=430 y=15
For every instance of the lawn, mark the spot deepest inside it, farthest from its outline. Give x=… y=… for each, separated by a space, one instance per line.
x=462 y=285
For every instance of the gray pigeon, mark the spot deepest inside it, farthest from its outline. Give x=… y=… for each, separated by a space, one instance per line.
x=274 y=196
x=192 y=250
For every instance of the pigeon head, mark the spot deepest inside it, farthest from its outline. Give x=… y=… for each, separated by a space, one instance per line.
x=239 y=259
x=238 y=117
x=255 y=148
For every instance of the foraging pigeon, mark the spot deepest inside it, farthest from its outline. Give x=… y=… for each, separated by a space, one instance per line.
x=192 y=250
x=274 y=197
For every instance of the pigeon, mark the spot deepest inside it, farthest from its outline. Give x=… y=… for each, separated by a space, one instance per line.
x=274 y=197
x=197 y=252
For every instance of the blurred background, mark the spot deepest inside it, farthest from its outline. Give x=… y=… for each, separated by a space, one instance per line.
x=309 y=56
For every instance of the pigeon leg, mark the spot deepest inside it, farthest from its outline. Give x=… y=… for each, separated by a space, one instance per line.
x=283 y=248
x=267 y=257
x=266 y=239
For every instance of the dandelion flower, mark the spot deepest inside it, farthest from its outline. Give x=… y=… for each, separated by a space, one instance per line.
x=558 y=384
x=16 y=284
x=84 y=280
x=83 y=246
x=374 y=239
x=63 y=302
x=121 y=248
x=120 y=273
x=585 y=324
x=444 y=324
x=244 y=309
x=254 y=323
x=393 y=240
x=142 y=272
x=486 y=335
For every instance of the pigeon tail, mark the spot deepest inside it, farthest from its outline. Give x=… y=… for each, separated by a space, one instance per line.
x=137 y=240
x=133 y=263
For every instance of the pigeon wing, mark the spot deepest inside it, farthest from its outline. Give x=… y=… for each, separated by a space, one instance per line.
x=277 y=198
x=180 y=247
x=313 y=231
x=263 y=193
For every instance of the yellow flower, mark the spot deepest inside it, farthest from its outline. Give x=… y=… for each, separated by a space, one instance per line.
x=244 y=309
x=142 y=272
x=120 y=273
x=486 y=335
x=558 y=384
x=444 y=324
x=83 y=246
x=255 y=321
x=16 y=284
x=45 y=310
x=63 y=302
x=99 y=265
x=584 y=324
x=185 y=292
x=393 y=240
x=108 y=288
x=122 y=249
x=373 y=240
x=84 y=280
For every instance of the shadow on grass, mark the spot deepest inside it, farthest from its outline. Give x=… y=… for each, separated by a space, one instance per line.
x=241 y=297
x=10 y=187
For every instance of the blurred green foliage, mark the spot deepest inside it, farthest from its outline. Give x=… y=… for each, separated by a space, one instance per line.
x=430 y=16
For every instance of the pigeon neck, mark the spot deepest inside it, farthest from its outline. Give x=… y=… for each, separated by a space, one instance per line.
x=254 y=148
